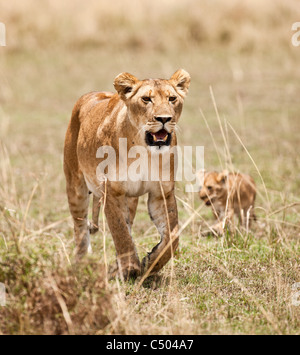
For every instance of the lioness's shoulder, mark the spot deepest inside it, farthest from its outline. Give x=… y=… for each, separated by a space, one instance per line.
x=90 y=100
x=93 y=98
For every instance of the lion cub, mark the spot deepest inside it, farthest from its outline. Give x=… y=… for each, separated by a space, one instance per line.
x=229 y=194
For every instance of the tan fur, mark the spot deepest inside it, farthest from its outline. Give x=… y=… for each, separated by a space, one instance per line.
x=99 y=119
x=229 y=194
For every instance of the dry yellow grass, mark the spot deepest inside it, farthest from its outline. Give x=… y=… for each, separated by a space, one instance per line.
x=245 y=82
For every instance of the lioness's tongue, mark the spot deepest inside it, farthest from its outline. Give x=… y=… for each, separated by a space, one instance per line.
x=160 y=135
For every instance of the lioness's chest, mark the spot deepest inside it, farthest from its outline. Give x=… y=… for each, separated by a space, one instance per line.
x=135 y=188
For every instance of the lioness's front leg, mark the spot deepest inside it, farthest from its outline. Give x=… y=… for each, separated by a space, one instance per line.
x=164 y=214
x=132 y=203
x=119 y=221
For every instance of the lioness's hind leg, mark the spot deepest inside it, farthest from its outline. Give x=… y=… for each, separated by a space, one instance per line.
x=78 y=198
x=132 y=203
x=94 y=225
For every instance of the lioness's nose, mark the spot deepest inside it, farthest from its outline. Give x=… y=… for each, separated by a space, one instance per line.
x=163 y=119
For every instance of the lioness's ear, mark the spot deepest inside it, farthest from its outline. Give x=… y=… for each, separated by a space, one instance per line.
x=124 y=84
x=181 y=80
x=222 y=176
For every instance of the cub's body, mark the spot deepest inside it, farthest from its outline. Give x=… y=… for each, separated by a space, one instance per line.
x=229 y=194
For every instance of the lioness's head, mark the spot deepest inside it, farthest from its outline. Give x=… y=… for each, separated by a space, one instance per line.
x=154 y=105
x=214 y=187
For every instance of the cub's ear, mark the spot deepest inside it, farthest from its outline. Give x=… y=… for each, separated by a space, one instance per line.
x=222 y=177
x=200 y=176
x=124 y=84
x=181 y=81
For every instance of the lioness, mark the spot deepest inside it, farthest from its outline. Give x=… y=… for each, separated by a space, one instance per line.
x=229 y=194
x=146 y=113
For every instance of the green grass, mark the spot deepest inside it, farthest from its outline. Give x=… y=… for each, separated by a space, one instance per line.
x=239 y=284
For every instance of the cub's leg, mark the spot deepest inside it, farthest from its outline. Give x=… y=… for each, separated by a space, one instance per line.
x=225 y=219
x=247 y=218
x=119 y=222
x=218 y=213
x=165 y=217
x=78 y=198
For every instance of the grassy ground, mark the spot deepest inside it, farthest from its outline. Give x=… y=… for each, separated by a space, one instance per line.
x=238 y=55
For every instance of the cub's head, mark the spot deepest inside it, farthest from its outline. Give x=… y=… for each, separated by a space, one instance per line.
x=154 y=105
x=214 y=187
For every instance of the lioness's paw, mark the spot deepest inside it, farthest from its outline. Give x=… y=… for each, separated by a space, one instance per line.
x=147 y=262
x=131 y=274
x=93 y=228
x=124 y=274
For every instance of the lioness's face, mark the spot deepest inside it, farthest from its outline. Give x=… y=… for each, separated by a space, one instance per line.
x=154 y=106
x=213 y=187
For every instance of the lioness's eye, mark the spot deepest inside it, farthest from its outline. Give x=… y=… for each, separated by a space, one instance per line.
x=172 y=98
x=209 y=188
x=146 y=99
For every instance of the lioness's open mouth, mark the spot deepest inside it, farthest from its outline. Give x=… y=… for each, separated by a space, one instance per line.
x=159 y=138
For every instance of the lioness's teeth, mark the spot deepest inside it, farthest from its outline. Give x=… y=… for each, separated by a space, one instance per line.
x=166 y=137
x=154 y=137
